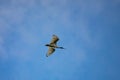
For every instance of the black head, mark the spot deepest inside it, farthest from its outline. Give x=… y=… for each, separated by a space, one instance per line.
x=47 y=45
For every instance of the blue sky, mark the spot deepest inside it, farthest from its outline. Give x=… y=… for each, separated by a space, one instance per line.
x=88 y=29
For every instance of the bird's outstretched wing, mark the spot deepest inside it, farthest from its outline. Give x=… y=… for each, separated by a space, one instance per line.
x=54 y=39
x=50 y=51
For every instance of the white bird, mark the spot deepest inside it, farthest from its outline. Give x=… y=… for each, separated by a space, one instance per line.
x=52 y=45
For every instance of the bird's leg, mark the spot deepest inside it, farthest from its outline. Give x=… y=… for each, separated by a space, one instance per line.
x=60 y=47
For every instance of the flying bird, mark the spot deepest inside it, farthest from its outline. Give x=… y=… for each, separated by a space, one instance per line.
x=52 y=45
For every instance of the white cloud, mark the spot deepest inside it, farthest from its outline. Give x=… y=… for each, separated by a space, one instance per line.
x=3 y=54
x=4 y=28
x=52 y=13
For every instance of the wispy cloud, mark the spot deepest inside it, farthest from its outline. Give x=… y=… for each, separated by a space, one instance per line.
x=26 y=24
x=30 y=19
